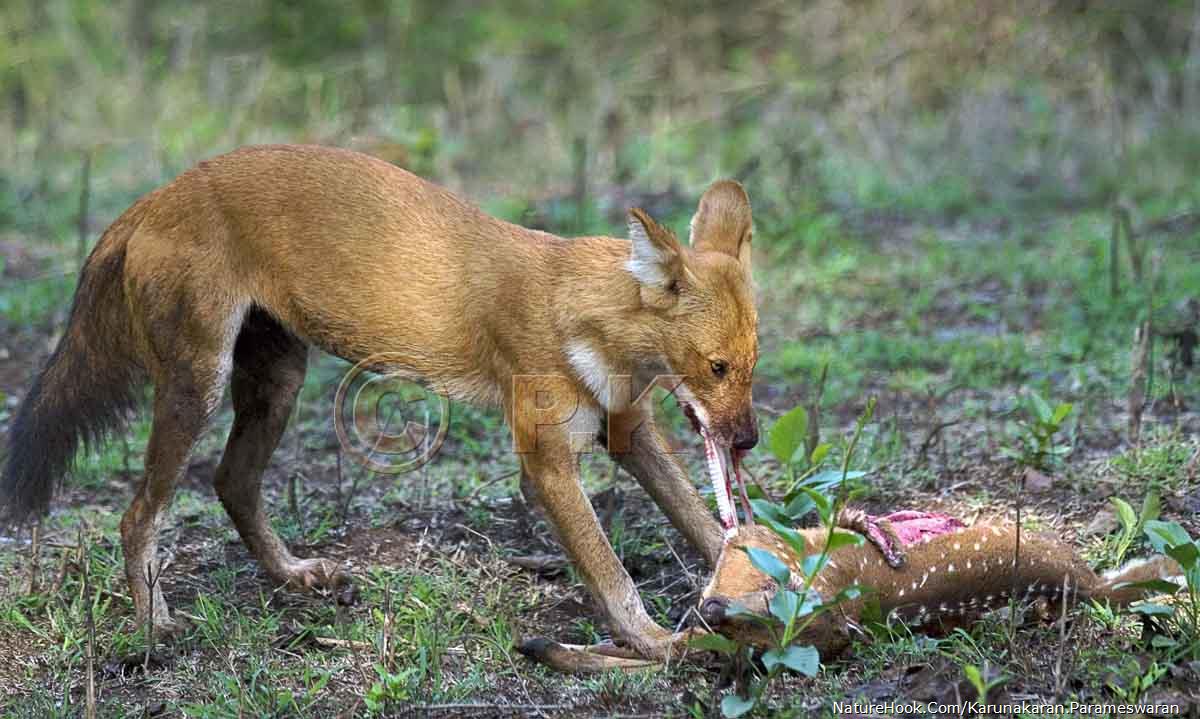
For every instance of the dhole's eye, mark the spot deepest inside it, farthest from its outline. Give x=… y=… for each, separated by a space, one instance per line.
x=719 y=367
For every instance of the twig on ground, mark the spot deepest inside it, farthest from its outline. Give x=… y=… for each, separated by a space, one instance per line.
x=1143 y=337
x=152 y=578
x=813 y=437
x=489 y=707
x=342 y=643
x=90 y=638
x=691 y=577
x=35 y=551
x=1063 y=635
x=1016 y=566
x=766 y=495
x=494 y=480
x=932 y=436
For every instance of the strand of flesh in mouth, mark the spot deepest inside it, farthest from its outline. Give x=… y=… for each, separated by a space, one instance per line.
x=724 y=469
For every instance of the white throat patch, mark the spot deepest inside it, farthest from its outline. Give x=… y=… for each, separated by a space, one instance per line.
x=592 y=370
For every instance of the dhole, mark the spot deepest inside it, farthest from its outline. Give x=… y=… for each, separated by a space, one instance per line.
x=227 y=274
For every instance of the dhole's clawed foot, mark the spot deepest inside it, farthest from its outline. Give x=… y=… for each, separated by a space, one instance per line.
x=652 y=649
x=309 y=574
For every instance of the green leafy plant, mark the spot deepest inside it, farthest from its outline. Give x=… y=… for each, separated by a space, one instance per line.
x=983 y=680
x=789 y=440
x=1132 y=523
x=795 y=605
x=1180 y=618
x=1141 y=683
x=1033 y=437
x=391 y=689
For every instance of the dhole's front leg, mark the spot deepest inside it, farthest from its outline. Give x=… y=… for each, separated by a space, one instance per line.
x=551 y=472
x=639 y=447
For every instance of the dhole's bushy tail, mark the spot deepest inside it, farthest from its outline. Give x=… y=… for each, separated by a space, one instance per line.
x=86 y=388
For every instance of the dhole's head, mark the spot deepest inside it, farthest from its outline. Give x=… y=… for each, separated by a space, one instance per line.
x=702 y=302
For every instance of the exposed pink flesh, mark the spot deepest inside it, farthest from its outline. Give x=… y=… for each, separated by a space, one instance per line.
x=736 y=460
x=908 y=527
x=912 y=526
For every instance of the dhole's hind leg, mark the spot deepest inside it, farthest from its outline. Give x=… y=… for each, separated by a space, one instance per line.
x=268 y=371
x=185 y=399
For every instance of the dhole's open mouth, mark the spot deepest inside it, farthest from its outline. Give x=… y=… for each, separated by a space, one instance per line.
x=724 y=468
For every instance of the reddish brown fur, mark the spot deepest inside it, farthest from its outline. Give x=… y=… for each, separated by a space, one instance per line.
x=232 y=269
x=949 y=579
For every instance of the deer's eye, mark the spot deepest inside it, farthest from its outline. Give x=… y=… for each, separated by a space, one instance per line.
x=719 y=368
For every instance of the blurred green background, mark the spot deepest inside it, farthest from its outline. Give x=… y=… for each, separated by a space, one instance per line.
x=938 y=105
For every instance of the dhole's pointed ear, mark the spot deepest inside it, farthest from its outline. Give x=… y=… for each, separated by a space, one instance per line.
x=656 y=259
x=722 y=222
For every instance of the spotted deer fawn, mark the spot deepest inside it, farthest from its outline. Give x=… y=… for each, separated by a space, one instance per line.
x=945 y=577
x=929 y=570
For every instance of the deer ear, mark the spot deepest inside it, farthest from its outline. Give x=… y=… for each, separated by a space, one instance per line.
x=722 y=222
x=656 y=259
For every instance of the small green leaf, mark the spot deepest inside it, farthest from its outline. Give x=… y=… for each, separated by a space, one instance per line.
x=803 y=659
x=1125 y=513
x=787 y=436
x=784 y=605
x=1061 y=412
x=1040 y=407
x=819 y=453
x=769 y=564
x=799 y=507
x=794 y=539
x=764 y=508
x=850 y=593
x=1165 y=534
x=823 y=503
x=974 y=676
x=1152 y=609
x=1151 y=507
x=1186 y=554
x=831 y=478
x=741 y=611
x=844 y=538
x=733 y=705
x=714 y=642
x=814 y=563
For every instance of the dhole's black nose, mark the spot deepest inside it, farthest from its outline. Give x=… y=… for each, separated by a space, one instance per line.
x=746 y=437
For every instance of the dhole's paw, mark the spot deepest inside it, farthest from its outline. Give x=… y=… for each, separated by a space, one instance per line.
x=308 y=574
x=661 y=644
